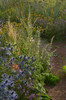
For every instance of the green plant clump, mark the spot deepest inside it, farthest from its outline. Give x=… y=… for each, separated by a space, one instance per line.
x=51 y=79
x=64 y=69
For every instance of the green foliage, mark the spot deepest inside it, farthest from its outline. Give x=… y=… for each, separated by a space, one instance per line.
x=45 y=97
x=51 y=79
x=64 y=69
x=49 y=32
x=3 y=15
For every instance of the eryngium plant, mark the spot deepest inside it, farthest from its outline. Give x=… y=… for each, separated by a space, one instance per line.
x=13 y=81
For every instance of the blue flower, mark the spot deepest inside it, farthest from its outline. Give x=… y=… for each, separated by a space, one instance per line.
x=12 y=84
x=2 y=86
x=20 y=57
x=11 y=49
x=9 y=53
x=4 y=75
x=9 y=45
x=10 y=77
x=11 y=63
x=12 y=59
x=7 y=92
x=33 y=59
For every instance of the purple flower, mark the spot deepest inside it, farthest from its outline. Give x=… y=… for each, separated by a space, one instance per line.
x=31 y=96
x=23 y=90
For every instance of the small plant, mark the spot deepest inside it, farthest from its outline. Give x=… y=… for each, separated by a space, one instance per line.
x=45 y=97
x=51 y=79
x=64 y=69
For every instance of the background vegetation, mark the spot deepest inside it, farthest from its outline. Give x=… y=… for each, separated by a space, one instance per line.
x=23 y=25
x=50 y=15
